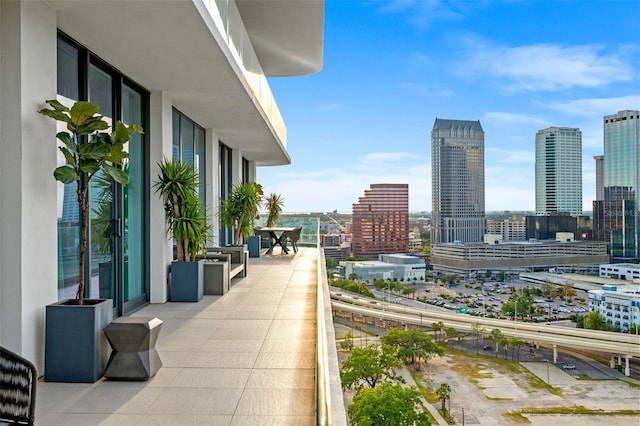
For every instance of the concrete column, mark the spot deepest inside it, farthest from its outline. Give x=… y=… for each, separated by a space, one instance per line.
x=627 y=370
x=160 y=245
x=213 y=184
x=555 y=354
x=28 y=205
x=612 y=362
x=236 y=168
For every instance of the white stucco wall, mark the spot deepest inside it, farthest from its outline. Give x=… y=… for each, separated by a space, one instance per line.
x=28 y=229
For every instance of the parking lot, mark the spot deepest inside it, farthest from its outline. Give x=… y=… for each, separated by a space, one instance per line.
x=487 y=299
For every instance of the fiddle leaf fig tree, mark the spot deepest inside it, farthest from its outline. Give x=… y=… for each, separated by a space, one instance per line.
x=88 y=152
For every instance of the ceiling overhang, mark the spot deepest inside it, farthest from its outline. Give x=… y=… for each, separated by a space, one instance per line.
x=169 y=47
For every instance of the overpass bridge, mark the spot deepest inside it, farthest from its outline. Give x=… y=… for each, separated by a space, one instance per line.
x=619 y=345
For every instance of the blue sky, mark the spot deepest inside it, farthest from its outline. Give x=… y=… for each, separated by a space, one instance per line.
x=392 y=67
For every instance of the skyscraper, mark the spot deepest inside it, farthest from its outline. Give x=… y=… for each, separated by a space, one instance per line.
x=381 y=221
x=457 y=170
x=616 y=218
x=559 y=171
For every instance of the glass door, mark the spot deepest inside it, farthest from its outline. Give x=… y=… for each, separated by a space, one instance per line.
x=118 y=213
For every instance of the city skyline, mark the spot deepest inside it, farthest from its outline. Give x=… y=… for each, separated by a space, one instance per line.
x=391 y=68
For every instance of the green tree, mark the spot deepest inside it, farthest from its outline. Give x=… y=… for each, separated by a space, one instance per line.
x=479 y=333
x=594 y=321
x=444 y=393
x=549 y=290
x=412 y=345
x=494 y=337
x=568 y=291
x=370 y=365
x=409 y=290
x=388 y=405
x=450 y=333
x=89 y=152
x=437 y=327
x=273 y=203
x=347 y=343
x=516 y=344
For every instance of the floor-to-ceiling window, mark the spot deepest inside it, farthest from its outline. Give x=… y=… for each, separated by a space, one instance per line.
x=226 y=183
x=117 y=265
x=189 y=146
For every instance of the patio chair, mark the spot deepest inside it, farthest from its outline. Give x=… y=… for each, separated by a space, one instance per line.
x=293 y=237
x=18 y=379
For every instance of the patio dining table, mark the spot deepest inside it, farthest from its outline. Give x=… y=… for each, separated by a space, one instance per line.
x=278 y=236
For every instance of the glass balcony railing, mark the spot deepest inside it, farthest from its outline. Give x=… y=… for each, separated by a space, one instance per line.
x=309 y=236
x=226 y=17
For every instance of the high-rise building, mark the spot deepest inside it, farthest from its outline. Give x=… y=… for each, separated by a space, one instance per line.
x=457 y=171
x=599 y=176
x=381 y=221
x=616 y=218
x=559 y=171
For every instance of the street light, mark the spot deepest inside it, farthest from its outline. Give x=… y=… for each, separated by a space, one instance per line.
x=547 y=362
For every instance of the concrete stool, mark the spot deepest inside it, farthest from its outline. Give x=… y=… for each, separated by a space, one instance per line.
x=133 y=340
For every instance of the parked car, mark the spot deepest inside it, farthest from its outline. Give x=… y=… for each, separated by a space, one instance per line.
x=568 y=367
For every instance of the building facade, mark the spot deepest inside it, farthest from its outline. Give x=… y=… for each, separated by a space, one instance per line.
x=398 y=267
x=616 y=218
x=619 y=306
x=457 y=173
x=512 y=229
x=193 y=75
x=470 y=260
x=621 y=271
x=381 y=221
x=558 y=171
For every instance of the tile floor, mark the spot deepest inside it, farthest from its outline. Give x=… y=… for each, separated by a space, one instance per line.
x=245 y=358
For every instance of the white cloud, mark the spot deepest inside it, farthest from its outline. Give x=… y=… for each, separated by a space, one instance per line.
x=597 y=107
x=546 y=67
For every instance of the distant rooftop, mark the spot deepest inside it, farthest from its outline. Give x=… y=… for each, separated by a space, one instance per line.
x=442 y=123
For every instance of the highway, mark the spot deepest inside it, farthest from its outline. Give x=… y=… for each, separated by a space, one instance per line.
x=576 y=338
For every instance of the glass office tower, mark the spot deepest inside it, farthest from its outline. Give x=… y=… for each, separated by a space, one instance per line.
x=457 y=167
x=559 y=171
x=617 y=218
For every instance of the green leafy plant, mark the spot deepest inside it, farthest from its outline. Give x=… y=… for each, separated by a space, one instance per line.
x=186 y=217
x=88 y=151
x=241 y=208
x=273 y=203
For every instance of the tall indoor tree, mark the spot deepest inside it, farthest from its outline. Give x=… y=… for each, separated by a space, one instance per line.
x=88 y=152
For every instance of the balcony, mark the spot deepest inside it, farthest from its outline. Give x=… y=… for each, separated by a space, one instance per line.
x=264 y=353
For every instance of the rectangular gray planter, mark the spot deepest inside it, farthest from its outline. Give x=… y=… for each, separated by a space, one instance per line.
x=76 y=349
x=254 y=246
x=216 y=277
x=186 y=281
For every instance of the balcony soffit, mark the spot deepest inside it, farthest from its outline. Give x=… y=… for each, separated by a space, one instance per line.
x=169 y=48
x=287 y=35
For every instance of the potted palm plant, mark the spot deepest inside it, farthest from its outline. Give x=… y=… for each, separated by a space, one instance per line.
x=273 y=204
x=240 y=209
x=75 y=347
x=186 y=217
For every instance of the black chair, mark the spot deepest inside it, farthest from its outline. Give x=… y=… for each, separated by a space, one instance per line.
x=18 y=379
x=293 y=237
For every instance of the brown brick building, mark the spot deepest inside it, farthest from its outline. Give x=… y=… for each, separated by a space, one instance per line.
x=381 y=221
